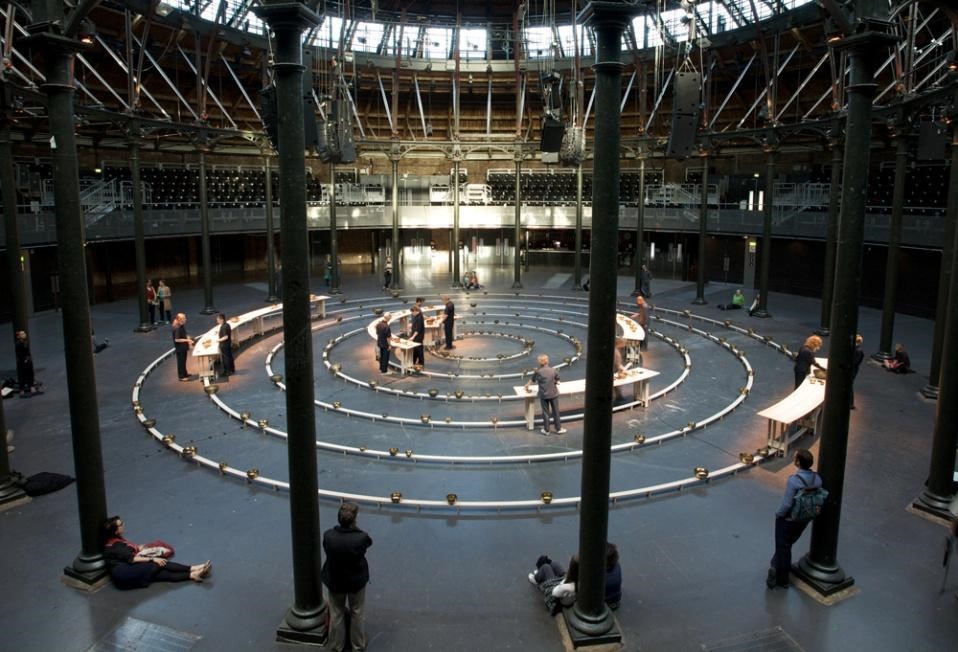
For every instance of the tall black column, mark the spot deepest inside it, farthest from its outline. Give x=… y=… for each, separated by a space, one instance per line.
x=945 y=274
x=9 y=489
x=640 y=230
x=397 y=250
x=938 y=491
x=590 y=619
x=208 y=308
x=894 y=240
x=272 y=290
x=333 y=241
x=768 y=207
x=831 y=230
x=8 y=184
x=699 y=299
x=820 y=567
x=306 y=619
x=139 y=241
x=456 y=249
x=58 y=53
x=577 y=280
x=517 y=222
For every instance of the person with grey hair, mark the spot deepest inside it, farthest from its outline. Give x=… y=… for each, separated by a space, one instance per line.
x=346 y=574
x=383 y=333
x=548 y=380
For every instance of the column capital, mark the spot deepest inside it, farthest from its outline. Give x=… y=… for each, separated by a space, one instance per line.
x=607 y=13
x=280 y=14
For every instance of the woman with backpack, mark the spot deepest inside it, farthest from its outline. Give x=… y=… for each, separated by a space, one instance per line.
x=801 y=503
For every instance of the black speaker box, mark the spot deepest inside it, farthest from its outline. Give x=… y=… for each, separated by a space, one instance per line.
x=686 y=103
x=552 y=132
x=932 y=142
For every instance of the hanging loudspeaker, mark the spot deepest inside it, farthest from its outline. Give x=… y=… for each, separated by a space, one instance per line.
x=685 y=115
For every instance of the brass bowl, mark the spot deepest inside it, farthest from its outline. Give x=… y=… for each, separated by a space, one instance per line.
x=546 y=497
x=701 y=472
x=451 y=498
x=252 y=474
x=395 y=497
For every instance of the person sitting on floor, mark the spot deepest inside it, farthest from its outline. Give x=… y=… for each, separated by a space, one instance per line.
x=613 y=576
x=901 y=363
x=472 y=281
x=134 y=567
x=738 y=301
x=558 y=586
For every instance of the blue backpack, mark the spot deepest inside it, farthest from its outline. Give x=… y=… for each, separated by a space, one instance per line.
x=808 y=503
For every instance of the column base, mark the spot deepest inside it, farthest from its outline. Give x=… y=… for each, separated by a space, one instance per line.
x=932 y=503
x=699 y=301
x=823 y=331
x=144 y=328
x=577 y=288
x=762 y=313
x=930 y=391
x=585 y=631
x=11 y=493
x=881 y=356
x=272 y=299
x=825 y=580
x=636 y=292
x=516 y=285
x=335 y=290
x=86 y=574
x=308 y=628
x=209 y=310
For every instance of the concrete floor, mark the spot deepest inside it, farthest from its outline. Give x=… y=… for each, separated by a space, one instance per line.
x=693 y=562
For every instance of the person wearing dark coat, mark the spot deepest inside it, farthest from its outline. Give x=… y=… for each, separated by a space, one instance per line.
x=131 y=570
x=225 y=337
x=858 y=355
x=25 y=375
x=417 y=333
x=182 y=343
x=805 y=359
x=383 y=333
x=449 y=321
x=346 y=574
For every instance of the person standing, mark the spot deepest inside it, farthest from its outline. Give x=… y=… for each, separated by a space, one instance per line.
x=383 y=333
x=226 y=345
x=805 y=359
x=548 y=380
x=165 y=296
x=346 y=574
x=182 y=343
x=25 y=374
x=388 y=273
x=642 y=317
x=858 y=355
x=449 y=320
x=787 y=531
x=645 y=286
x=417 y=333
x=151 y=301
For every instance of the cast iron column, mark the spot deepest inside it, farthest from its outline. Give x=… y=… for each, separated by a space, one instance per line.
x=894 y=239
x=590 y=618
x=8 y=184
x=58 y=53
x=577 y=281
x=139 y=242
x=516 y=269
x=9 y=489
x=272 y=290
x=938 y=491
x=831 y=230
x=333 y=243
x=762 y=309
x=396 y=283
x=699 y=299
x=208 y=308
x=820 y=568
x=456 y=249
x=306 y=619
x=640 y=230
x=946 y=273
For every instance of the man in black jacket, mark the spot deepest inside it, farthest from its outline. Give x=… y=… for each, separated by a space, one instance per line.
x=417 y=333
x=383 y=333
x=345 y=574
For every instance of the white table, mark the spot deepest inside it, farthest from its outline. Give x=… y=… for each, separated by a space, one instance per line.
x=637 y=377
x=801 y=408
x=251 y=324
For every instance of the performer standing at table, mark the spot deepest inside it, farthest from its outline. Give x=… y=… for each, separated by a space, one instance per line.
x=417 y=333
x=182 y=343
x=383 y=333
x=805 y=359
x=226 y=345
x=642 y=317
x=548 y=380
x=448 y=320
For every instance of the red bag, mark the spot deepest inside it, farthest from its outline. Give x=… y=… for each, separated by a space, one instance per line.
x=156 y=549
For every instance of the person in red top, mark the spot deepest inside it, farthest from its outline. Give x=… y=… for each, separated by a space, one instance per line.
x=151 y=301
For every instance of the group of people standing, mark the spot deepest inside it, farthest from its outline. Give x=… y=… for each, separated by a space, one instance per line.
x=416 y=333
x=160 y=298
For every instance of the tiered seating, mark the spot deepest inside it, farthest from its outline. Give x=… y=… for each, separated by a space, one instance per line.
x=926 y=189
